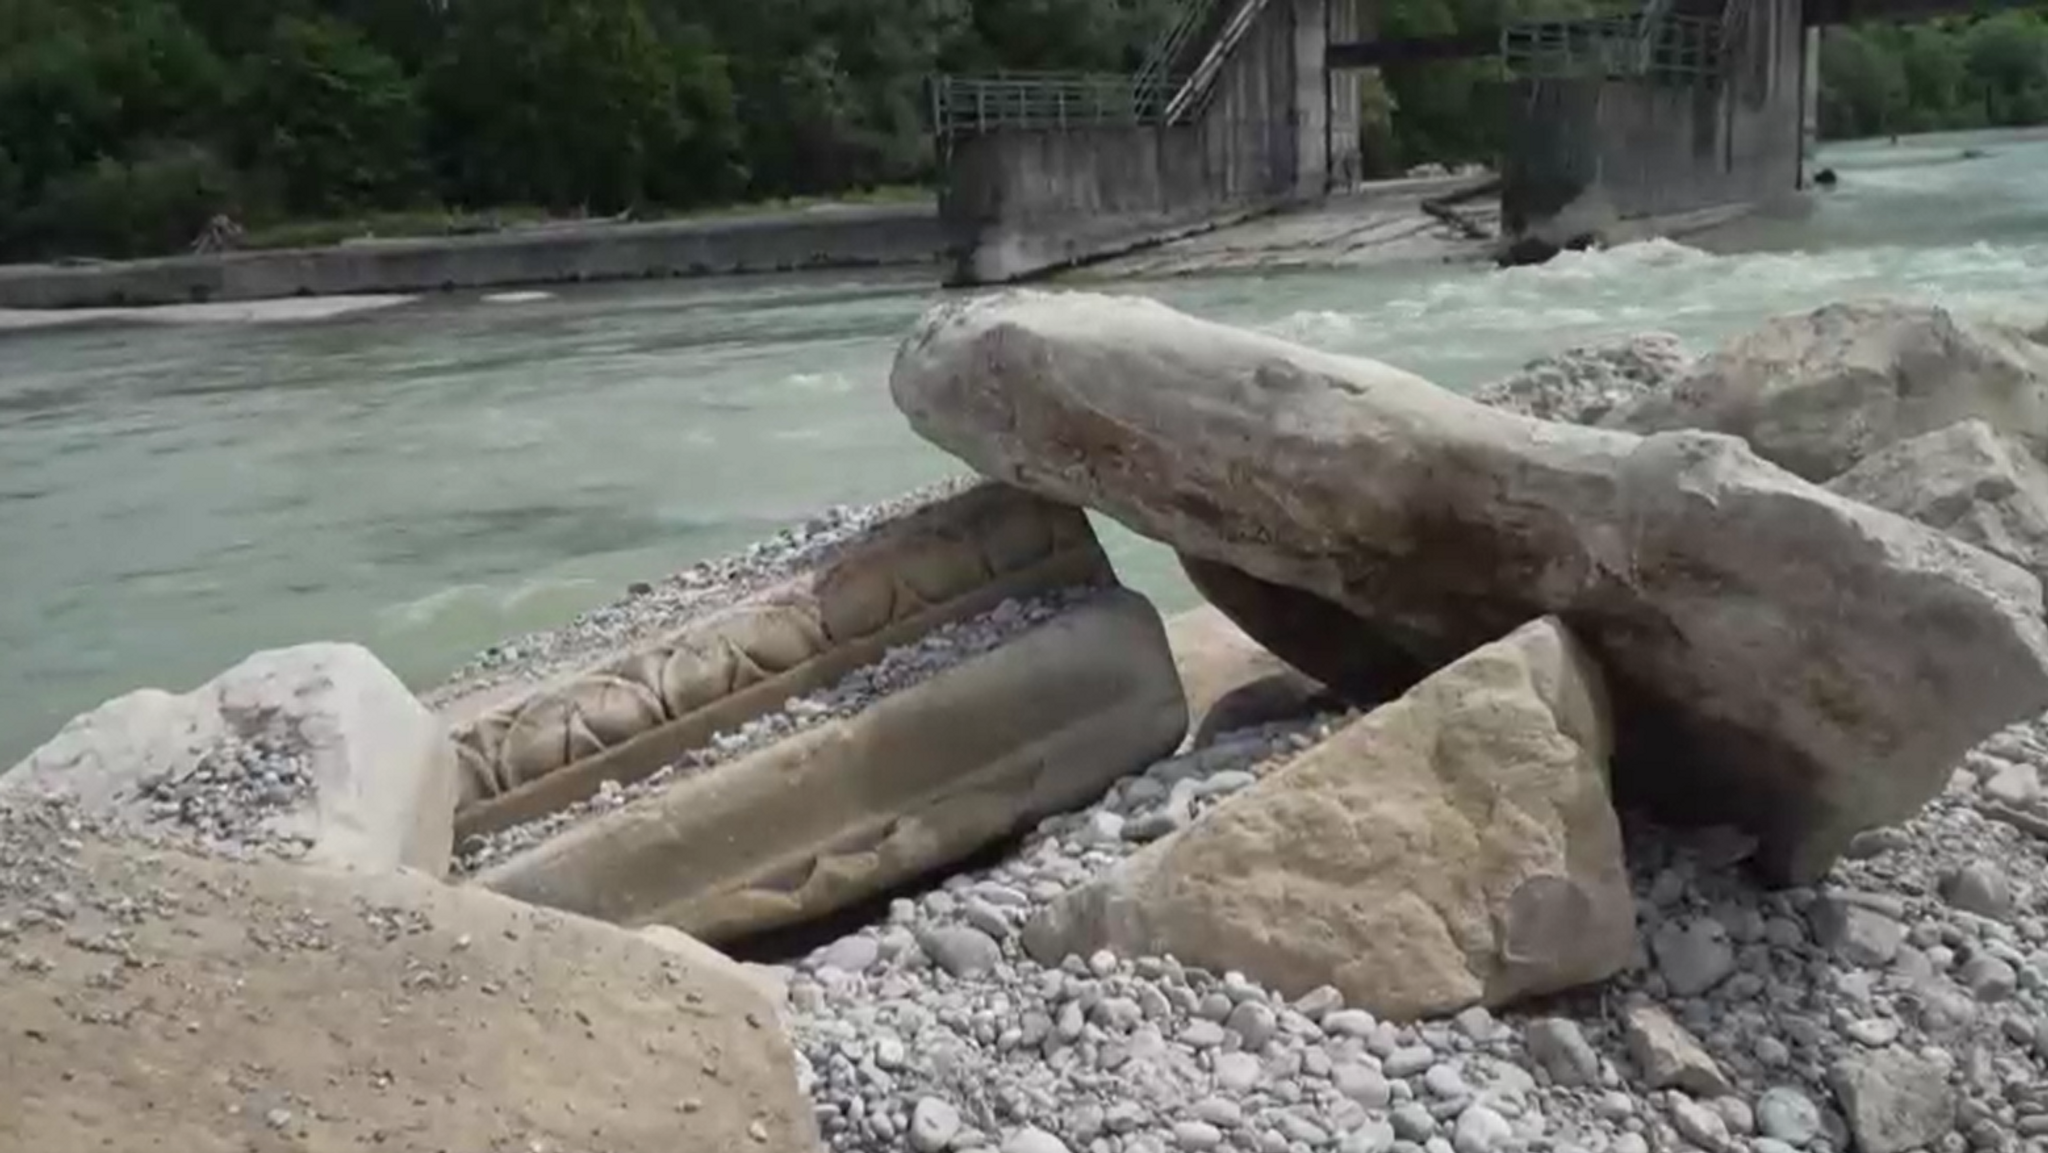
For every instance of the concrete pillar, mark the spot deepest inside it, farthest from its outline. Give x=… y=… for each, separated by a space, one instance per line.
x=1311 y=114
x=1809 y=101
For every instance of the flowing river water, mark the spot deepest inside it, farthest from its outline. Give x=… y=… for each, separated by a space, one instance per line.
x=432 y=477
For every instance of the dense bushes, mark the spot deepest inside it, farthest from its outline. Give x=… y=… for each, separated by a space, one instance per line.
x=1878 y=79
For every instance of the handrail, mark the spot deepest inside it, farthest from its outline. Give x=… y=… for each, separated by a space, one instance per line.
x=1171 y=44
x=964 y=105
x=1196 y=90
x=1675 y=47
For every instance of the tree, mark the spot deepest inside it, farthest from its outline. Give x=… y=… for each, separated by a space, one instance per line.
x=333 y=120
x=571 y=104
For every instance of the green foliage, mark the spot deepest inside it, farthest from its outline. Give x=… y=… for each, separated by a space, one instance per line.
x=1957 y=73
x=332 y=120
x=155 y=203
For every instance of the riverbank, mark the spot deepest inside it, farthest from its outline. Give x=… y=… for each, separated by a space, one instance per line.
x=824 y=237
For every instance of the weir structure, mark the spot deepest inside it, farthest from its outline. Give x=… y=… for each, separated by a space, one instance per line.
x=1619 y=124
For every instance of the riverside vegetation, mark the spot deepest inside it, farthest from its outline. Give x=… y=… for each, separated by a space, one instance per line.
x=1674 y=785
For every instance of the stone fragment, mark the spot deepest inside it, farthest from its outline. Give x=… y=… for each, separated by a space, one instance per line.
x=1893 y=1100
x=1693 y=955
x=1032 y=1139
x=1863 y=936
x=335 y=762
x=1804 y=705
x=1978 y=888
x=1967 y=481
x=933 y=1125
x=1455 y=847
x=1821 y=391
x=1581 y=385
x=1562 y=1050
x=961 y=951
x=1785 y=1113
x=1668 y=1056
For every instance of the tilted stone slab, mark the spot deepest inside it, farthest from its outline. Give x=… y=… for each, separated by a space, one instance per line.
x=1456 y=847
x=854 y=806
x=633 y=713
x=1783 y=658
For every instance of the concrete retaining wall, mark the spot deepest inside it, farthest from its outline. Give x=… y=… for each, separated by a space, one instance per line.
x=1587 y=154
x=826 y=238
x=1019 y=203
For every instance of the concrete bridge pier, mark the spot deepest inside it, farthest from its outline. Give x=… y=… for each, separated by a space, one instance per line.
x=1048 y=180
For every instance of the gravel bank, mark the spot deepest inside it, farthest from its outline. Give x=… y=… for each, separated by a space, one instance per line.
x=1903 y=1006
x=657 y=607
x=898 y=669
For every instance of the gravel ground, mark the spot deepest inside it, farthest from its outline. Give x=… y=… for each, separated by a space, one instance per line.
x=1903 y=1002
x=1580 y=385
x=652 y=609
x=898 y=669
x=224 y=804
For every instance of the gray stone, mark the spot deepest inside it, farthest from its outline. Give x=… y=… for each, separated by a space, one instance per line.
x=1668 y=1056
x=1196 y=1135
x=1785 y=1113
x=1893 y=1100
x=1693 y=956
x=1413 y=1122
x=1237 y=1072
x=1582 y=384
x=1221 y=1112
x=1978 y=888
x=933 y=1125
x=1031 y=1139
x=1408 y=1061
x=961 y=951
x=1988 y=979
x=1967 y=481
x=1349 y=1023
x=1562 y=1050
x=2018 y=785
x=855 y=954
x=1803 y=707
x=1361 y=1084
x=1699 y=1124
x=1254 y=1023
x=1375 y=1136
x=1480 y=1130
x=1862 y=936
x=1203 y=1035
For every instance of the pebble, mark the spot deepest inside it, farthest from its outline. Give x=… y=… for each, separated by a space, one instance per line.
x=933 y=1125
x=1031 y=1139
x=1196 y=1135
x=961 y=951
x=1694 y=956
x=1978 y=888
x=1480 y=1130
x=1785 y=1113
x=1560 y=1047
x=1254 y=1023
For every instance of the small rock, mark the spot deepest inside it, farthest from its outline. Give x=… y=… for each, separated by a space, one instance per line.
x=855 y=954
x=1787 y=1114
x=1988 y=979
x=1480 y=1130
x=1694 y=956
x=1978 y=889
x=1409 y=1061
x=1893 y=1100
x=1371 y=1137
x=2017 y=785
x=1237 y=1072
x=1876 y=1032
x=1698 y=1124
x=1361 y=1084
x=1349 y=1023
x=1668 y=1056
x=1203 y=1034
x=1196 y=1135
x=962 y=952
x=1412 y=1122
x=1562 y=1050
x=1862 y=935
x=1254 y=1023
x=933 y=1125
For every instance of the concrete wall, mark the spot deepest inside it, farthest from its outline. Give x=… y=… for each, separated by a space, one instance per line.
x=1348 y=22
x=1585 y=155
x=1016 y=204
x=827 y=238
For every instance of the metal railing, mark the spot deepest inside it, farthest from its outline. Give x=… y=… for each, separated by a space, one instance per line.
x=1192 y=95
x=963 y=105
x=1162 y=61
x=1681 y=48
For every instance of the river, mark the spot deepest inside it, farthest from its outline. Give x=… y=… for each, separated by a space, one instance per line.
x=431 y=477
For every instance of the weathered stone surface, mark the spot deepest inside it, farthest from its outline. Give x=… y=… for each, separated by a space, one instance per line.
x=1582 y=385
x=850 y=807
x=1798 y=663
x=1668 y=1056
x=1455 y=847
x=1230 y=680
x=1819 y=392
x=1894 y=1100
x=555 y=743
x=1967 y=481
x=371 y=773
x=283 y=1006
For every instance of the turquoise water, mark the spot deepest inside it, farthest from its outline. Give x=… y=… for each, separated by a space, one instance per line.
x=429 y=478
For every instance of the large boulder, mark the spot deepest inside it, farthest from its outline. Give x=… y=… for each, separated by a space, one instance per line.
x=177 y=1002
x=317 y=751
x=1783 y=658
x=847 y=807
x=1819 y=392
x=1456 y=847
x=1582 y=385
x=742 y=636
x=1967 y=481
